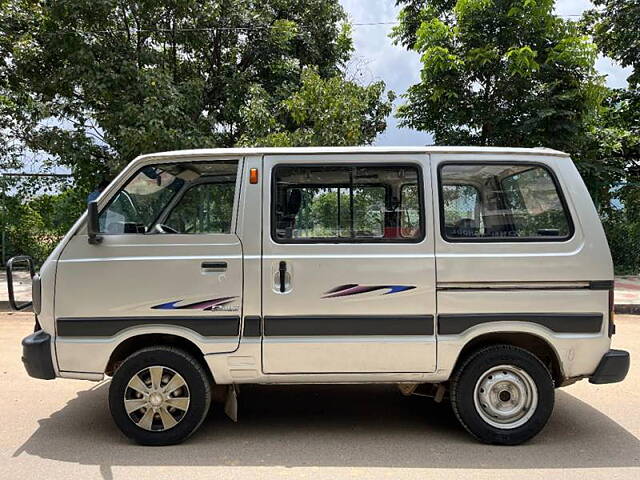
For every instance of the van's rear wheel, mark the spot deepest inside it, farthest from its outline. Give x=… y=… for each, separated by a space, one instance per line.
x=502 y=395
x=159 y=396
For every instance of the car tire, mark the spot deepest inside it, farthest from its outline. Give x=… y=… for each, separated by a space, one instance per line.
x=502 y=395
x=159 y=395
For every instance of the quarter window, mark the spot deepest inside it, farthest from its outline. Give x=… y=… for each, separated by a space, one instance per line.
x=501 y=201
x=347 y=204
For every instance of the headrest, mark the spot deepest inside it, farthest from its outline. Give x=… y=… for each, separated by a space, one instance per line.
x=294 y=201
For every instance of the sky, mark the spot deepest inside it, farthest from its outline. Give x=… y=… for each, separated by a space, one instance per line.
x=378 y=59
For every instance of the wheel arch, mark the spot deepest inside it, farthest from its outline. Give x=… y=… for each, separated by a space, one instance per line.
x=531 y=342
x=137 y=342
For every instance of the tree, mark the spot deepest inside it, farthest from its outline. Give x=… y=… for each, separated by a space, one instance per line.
x=99 y=82
x=498 y=73
x=615 y=25
x=34 y=226
x=609 y=159
x=330 y=111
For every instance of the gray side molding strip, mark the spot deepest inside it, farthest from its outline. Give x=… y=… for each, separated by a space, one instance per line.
x=452 y=324
x=222 y=326
x=252 y=326
x=302 y=326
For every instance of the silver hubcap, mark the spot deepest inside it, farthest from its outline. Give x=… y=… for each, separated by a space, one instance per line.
x=156 y=398
x=505 y=397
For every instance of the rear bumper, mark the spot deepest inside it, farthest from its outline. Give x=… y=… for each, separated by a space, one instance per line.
x=613 y=367
x=36 y=355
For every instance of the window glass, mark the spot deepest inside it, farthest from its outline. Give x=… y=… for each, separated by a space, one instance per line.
x=462 y=209
x=326 y=212
x=368 y=211
x=204 y=208
x=515 y=201
x=346 y=203
x=142 y=205
x=534 y=203
x=410 y=211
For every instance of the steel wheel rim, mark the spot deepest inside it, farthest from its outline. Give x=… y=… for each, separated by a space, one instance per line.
x=505 y=397
x=156 y=398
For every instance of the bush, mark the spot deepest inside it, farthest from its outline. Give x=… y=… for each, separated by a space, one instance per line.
x=623 y=234
x=36 y=226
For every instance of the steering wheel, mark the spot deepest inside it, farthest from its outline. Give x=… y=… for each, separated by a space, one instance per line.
x=162 y=228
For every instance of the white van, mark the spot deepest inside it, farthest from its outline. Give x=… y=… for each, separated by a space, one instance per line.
x=478 y=274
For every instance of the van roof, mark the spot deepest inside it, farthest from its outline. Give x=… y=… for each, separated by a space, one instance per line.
x=337 y=150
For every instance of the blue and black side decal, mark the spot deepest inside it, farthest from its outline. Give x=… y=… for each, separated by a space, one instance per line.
x=355 y=289
x=203 y=305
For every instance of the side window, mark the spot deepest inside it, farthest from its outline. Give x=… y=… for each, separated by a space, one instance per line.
x=326 y=212
x=368 y=211
x=205 y=189
x=409 y=210
x=350 y=203
x=204 y=208
x=501 y=201
x=462 y=210
x=533 y=200
x=135 y=207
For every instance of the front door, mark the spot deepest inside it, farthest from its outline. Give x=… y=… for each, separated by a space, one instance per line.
x=169 y=258
x=348 y=270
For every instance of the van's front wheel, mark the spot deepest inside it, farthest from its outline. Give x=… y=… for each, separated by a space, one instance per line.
x=502 y=395
x=159 y=396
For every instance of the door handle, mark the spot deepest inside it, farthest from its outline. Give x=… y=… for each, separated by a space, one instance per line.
x=282 y=269
x=214 y=266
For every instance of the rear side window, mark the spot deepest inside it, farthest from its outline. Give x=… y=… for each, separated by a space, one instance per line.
x=347 y=203
x=500 y=201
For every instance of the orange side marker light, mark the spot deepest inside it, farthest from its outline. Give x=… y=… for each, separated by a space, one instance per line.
x=253 y=176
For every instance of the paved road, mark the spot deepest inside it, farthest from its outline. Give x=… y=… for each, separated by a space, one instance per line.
x=62 y=429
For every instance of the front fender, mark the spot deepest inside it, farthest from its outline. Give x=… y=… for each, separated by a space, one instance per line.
x=92 y=354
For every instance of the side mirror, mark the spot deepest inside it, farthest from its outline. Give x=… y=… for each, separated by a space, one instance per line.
x=93 y=228
x=28 y=261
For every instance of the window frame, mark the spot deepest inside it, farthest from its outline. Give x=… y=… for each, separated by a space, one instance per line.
x=532 y=164
x=346 y=240
x=177 y=196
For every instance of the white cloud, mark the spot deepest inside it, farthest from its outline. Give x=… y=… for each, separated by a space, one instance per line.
x=572 y=7
x=616 y=75
x=376 y=58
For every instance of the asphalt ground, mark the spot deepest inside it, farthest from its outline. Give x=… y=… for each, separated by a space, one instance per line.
x=62 y=429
